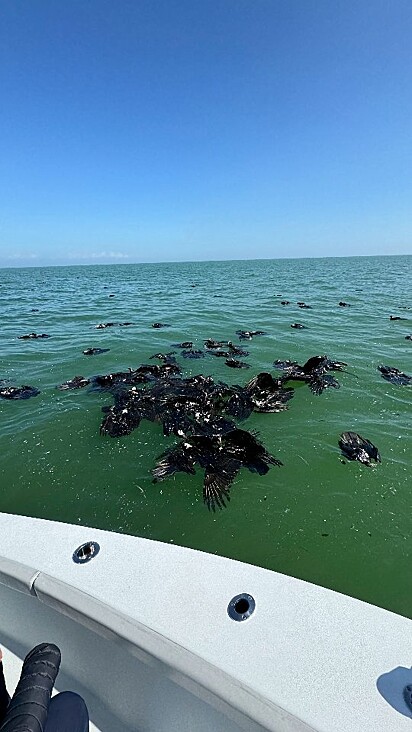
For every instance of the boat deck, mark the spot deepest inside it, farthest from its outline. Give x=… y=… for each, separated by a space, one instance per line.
x=147 y=640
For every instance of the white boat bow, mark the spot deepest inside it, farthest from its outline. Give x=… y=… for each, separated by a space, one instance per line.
x=147 y=639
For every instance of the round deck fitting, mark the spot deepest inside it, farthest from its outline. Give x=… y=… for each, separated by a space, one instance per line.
x=86 y=552
x=241 y=607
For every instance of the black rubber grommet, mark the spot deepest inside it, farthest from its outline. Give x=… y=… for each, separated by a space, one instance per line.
x=86 y=552
x=241 y=607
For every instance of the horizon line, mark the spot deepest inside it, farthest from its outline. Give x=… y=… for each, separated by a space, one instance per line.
x=193 y=261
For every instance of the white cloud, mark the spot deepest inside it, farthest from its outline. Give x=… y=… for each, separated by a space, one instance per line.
x=110 y=255
x=21 y=255
x=100 y=255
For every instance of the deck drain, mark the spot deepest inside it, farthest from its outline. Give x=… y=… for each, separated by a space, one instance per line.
x=241 y=607
x=86 y=552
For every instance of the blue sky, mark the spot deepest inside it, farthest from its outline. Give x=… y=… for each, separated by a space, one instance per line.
x=157 y=130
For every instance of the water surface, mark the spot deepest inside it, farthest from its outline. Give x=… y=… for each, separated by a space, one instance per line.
x=338 y=524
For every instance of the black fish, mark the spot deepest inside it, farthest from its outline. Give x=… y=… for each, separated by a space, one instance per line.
x=355 y=447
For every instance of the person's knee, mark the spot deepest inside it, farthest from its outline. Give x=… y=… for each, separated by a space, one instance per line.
x=68 y=705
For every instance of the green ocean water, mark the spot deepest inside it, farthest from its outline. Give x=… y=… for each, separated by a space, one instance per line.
x=338 y=524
